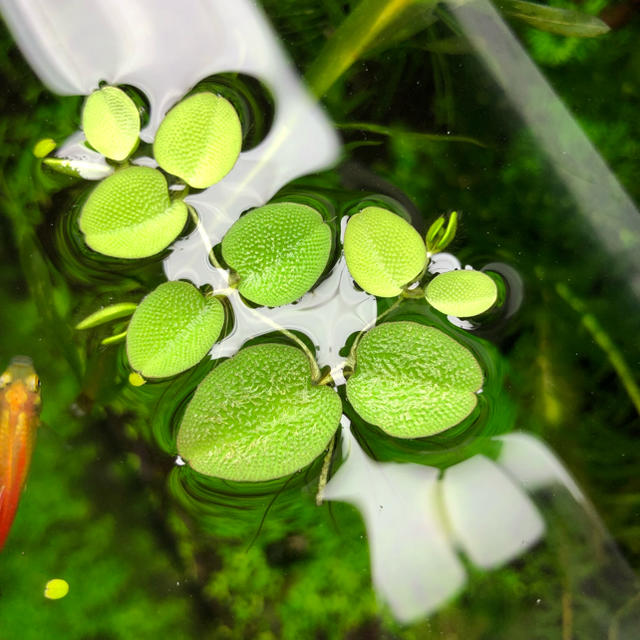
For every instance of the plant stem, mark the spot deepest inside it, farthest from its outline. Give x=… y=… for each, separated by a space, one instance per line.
x=315 y=369
x=351 y=40
x=602 y=339
x=352 y=353
x=324 y=474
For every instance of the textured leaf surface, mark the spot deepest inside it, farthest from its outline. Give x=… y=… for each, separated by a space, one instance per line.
x=257 y=416
x=199 y=140
x=413 y=381
x=383 y=252
x=111 y=122
x=279 y=251
x=172 y=329
x=462 y=293
x=129 y=215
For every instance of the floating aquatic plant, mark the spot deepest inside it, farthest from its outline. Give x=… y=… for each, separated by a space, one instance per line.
x=199 y=140
x=172 y=330
x=383 y=251
x=278 y=252
x=412 y=380
x=462 y=293
x=111 y=122
x=258 y=416
x=130 y=214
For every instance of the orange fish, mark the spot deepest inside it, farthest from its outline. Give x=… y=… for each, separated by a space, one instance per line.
x=19 y=418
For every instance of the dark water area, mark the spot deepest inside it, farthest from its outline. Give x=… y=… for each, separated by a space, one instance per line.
x=522 y=521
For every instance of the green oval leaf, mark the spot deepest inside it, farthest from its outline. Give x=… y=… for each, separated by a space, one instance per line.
x=107 y=314
x=462 y=293
x=129 y=214
x=279 y=251
x=172 y=329
x=257 y=416
x=413 y=381
x=383 y=252
x=199 y=140
x=111 y=123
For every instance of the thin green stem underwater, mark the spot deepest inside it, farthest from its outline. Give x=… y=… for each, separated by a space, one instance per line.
x=602 y=339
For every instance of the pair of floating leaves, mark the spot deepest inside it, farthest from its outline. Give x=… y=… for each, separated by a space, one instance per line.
x=199 y=140
x=130 y=215
x=257 y=416
x=278 y=251
x=383 y=252
x=172 y=329
x=462 y=293
x=111 y=123
x=412 y=380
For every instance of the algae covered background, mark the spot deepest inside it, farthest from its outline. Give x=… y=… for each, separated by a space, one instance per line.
x=103 y=509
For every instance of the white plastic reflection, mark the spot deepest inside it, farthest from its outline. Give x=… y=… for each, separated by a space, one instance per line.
x=417 y=522
x=165 y=50
x=73 y=45
x=413 y=563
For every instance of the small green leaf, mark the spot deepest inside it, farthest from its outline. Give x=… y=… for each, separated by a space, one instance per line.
x=107 y=314
x=199 y=140
x=439 y=235
x=172 y=329
x=564 y=22
x=462 y=293
x=383 y=252
x=278 y=251
x=129 y=215
x=118 y=337
x=257 y=416
x=111 y=123
x=412 y=380
x=85 y=169
x=44 y=147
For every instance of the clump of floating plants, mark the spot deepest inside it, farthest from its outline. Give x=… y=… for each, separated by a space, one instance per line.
x=272 y=409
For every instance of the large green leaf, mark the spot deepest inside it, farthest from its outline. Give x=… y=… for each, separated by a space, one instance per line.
x=257 y=416
x=383 y=252
x=111 y=122
x=462 y=293
x=172 y=329
x=413 y=381
x=129 y=214
x=199 y=140
x=279 y=251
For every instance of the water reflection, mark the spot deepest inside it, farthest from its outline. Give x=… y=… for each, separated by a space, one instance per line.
x=428 y=529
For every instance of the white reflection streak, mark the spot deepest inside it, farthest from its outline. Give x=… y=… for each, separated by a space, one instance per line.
x=416 y=523
x=599 y=196
x=413 y=565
